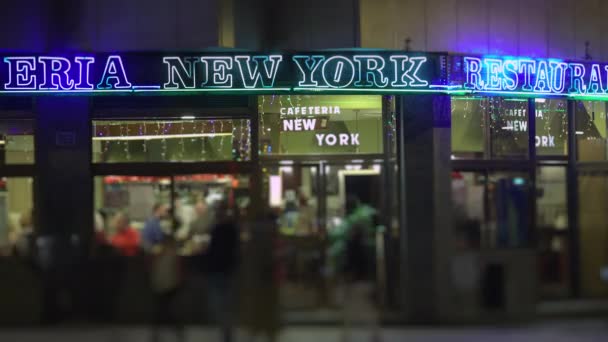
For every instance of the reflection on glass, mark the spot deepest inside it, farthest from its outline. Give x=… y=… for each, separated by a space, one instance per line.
x=491 y=210
x=16 y=216
x=489 y=127
x=186 y=140
x=468 y=126
x=590 y=123
x=508 y=127
x=552 y=225
x=593 y=226
x=551 y=127
x=16 y=142
x=320 y=124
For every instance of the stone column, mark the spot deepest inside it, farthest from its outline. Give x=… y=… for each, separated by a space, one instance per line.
x=425 y=204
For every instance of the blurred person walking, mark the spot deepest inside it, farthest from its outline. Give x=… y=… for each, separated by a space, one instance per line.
x=166 y=277
x=263 y=273
x=352 y=249
x=221 y=263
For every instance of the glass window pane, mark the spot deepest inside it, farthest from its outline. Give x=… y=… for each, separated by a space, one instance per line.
x=489 y=127
x=552 y=225
x=508 y=127
x=551 y=119
x=16 y=141
x=16 y=215
x=593 y=226
x=171 y=140
x=590 y=120
x=125 y=203
x=468 y=126
x=320 y=124
x=491 y=210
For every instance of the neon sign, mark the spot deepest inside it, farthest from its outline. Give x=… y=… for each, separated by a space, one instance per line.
x=360 y=71
x=145 y=72
x=533 y=76
x=348 y=71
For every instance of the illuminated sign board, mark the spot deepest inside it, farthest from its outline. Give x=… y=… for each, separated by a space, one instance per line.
x=530 y=76
x=339 y=71
x=349 y=70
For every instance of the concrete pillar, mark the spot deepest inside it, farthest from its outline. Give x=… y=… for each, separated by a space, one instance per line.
x=64 y=199
x=425 y=205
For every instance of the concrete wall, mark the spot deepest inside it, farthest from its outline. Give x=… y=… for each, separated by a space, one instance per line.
x=312 y=24
x=536 y=28
x=109 y=25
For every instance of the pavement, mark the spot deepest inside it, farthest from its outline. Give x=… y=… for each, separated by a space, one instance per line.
x=588 y=330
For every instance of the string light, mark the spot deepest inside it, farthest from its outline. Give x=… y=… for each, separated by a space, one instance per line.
x=261 y=112
x=203 y=142
x=163 y=142
x=144 y=144
x=222 y=137
x=181 y=141
x=242 y=142
x=106 y=145
x=126 y=143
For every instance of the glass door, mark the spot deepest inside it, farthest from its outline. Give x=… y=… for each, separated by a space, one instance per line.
x=356 y=234
x=293 y=190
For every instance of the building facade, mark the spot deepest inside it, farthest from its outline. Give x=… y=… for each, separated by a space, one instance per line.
x=492 y=167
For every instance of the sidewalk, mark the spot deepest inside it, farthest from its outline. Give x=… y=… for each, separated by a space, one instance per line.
x=552 y=331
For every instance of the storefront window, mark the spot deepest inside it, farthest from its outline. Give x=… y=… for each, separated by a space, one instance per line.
x=187 y=204
x=186 y=140
x=16 y=215
x=468 y=127
x=16 y=142
x=489 y=128
x=591 y=130
x=320 y=124
x=551 y=127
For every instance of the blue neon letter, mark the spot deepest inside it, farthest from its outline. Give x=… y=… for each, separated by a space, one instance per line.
x=510 y=80
x=115 y=72
x=83 y=72
x=595 y=80
x=543 y=81
x=55 y=73
x=527 y=67
x=577 y=71
x=21 y=73
x=558 y=70
x=493 y=73
x=472 y=67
